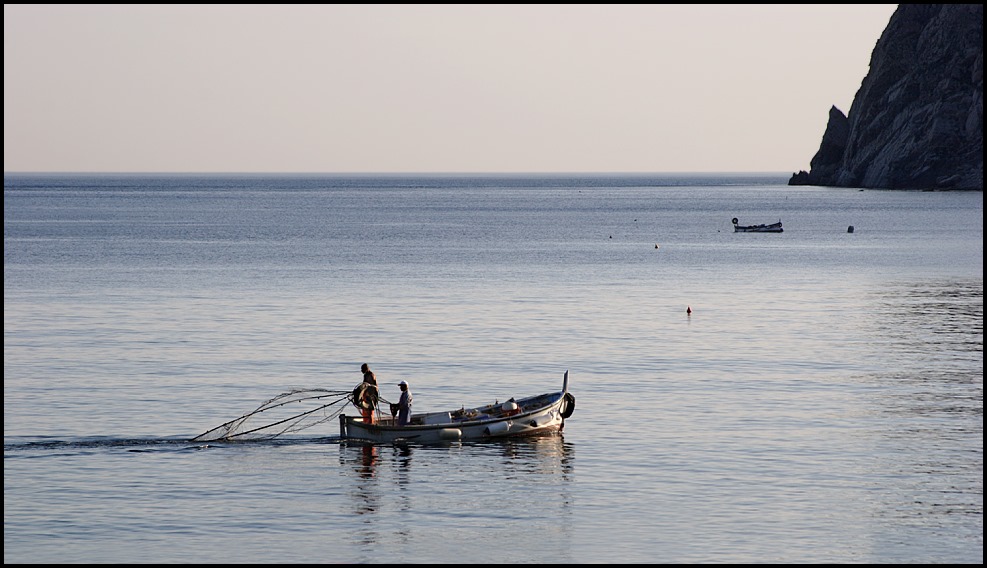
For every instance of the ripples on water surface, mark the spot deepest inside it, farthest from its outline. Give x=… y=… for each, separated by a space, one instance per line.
x=822 y=403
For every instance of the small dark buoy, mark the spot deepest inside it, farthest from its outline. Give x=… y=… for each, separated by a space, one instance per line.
x=656 y=245
x=849 y=229
x=688 y=310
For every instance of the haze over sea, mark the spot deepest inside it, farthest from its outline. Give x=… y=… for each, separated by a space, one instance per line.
x=822 y=402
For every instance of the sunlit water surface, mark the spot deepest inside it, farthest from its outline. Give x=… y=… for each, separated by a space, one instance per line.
x=822 y=402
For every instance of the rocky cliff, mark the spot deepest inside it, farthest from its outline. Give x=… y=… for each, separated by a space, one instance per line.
x=917 y=121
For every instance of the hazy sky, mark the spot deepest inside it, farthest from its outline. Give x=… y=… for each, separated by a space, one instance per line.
x=428 y=88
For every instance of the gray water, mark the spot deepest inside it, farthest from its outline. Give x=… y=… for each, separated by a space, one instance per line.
x=823 y=402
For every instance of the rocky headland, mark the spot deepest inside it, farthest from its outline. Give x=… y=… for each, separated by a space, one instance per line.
x=917 y=121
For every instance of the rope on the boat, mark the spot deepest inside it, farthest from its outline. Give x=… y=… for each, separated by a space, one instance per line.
x=282 y=415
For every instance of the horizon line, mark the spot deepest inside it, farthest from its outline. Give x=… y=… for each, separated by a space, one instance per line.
x=409 y=173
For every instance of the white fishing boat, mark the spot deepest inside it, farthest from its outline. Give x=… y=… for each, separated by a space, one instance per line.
x=534 y=415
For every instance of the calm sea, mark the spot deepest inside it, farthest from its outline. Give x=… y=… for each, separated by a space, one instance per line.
x=822 y=402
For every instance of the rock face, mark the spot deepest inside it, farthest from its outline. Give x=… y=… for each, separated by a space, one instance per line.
x=917 y=121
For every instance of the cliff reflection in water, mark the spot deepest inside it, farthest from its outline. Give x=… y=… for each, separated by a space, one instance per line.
x=932 y=330
x=927 y=345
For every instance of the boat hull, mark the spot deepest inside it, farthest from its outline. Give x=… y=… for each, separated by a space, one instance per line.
x=772 y=228
x=539 y=415
x=757 y=229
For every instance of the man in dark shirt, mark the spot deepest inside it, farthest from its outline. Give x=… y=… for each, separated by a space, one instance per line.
x=369 y=394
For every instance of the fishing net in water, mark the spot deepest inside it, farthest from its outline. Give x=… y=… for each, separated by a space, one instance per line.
x=286 y=413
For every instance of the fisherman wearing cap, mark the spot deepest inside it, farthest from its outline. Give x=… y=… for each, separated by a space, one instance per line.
x=404 y=405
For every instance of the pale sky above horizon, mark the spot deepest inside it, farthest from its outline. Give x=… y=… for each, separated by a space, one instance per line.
x=427 y=88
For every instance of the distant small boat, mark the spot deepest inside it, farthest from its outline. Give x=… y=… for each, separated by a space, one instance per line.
x=772 y=228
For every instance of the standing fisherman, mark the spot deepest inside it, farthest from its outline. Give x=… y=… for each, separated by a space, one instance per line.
x=368 y=394
x=404 y=405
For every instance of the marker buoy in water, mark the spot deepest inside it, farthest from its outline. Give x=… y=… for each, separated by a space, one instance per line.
x=688 y=310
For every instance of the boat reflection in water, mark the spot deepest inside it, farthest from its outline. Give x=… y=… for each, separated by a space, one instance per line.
x=548 y=453
x=480 y=477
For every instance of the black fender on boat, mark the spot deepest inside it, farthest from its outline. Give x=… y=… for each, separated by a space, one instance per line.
x=568 y=405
